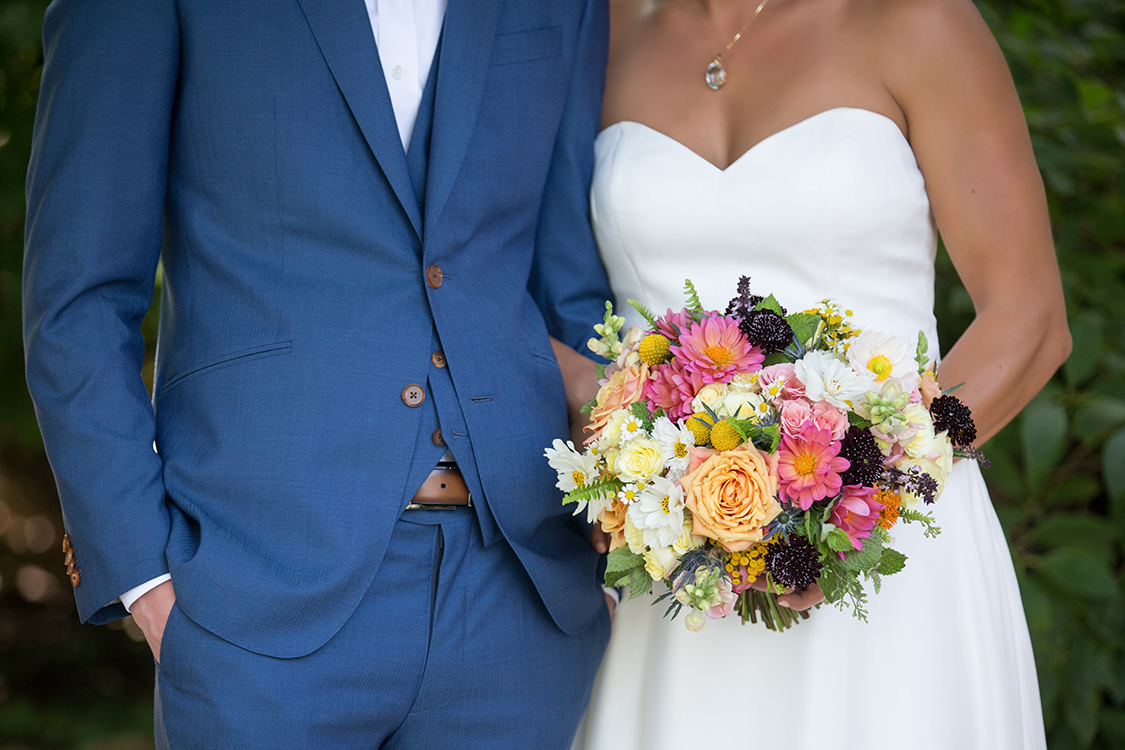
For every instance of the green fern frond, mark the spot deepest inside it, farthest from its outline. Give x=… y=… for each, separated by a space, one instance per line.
x=594 y=491
x=693 y=303
x=644 y=311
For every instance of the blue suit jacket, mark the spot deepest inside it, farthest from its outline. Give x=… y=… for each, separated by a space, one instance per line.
x=253 y=147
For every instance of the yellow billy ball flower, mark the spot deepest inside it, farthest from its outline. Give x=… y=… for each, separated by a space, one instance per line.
x=655 y=349
x=700 y=425
x=724 y=437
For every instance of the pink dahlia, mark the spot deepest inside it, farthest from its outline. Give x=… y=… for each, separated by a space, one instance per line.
x=809 y=466
x=717 y=350
x=672 y=388
x=672 y=323
x=857 y=513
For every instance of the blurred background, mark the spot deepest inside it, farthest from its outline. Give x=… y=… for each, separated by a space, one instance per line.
x=1057 y=475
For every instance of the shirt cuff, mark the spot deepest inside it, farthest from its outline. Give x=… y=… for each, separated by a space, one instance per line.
x=613 y=594
x=137 y=592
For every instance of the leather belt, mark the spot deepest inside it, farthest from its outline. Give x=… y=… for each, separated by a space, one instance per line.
x=445 y=488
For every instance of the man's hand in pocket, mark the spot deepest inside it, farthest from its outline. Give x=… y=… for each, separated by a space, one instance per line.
x=151 y=611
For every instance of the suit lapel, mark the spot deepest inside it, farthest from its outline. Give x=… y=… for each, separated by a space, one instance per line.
x=470 y=27
x=343 y=32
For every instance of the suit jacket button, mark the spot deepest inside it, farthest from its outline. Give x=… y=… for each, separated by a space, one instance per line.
x=438 y=439
x=75 y=578
x=413 y=395
x=433 y=277
x=66 y=543
x=438 y=358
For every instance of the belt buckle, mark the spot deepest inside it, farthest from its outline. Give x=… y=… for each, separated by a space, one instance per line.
x=429 y=506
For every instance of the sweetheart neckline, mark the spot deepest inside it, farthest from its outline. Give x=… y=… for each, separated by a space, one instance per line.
x=768 y=138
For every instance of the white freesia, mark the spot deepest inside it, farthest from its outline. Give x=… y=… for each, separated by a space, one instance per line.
x=888 y=358
x=676 y=440
x=659 y=513
x=827 y=378
x=639 y=460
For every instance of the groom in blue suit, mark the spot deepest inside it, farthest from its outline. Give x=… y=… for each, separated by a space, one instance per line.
x=332 y=520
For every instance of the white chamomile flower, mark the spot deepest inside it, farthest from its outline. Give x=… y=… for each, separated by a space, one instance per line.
x=774 y=390
x=631 y=428
x=659 y=513
x=630 y=493
x=887 y=358
x=676 y=441
x=827 y=378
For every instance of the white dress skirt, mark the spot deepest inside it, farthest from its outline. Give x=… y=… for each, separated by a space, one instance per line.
x=832 y=207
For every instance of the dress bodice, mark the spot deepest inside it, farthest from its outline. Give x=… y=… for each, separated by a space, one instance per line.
x=832 y=207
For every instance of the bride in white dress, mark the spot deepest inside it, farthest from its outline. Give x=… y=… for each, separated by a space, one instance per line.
x=843 y=129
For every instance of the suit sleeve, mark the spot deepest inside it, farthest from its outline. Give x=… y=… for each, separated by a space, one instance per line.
x=568 y=281
x=96 y=185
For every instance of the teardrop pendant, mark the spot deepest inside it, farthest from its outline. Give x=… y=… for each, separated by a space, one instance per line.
x=716 y=75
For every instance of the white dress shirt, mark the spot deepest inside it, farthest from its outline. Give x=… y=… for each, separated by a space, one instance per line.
x=406 y=33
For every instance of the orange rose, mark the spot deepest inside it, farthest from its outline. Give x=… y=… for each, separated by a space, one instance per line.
x=613 y=524
x=732 y=495
x=622 y=388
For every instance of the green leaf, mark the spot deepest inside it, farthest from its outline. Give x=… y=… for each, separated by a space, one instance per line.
x=1086 y=334
x=891 y=562
x=693 y=303
x=803 y=325
x=1074 y=529
x=1073 y=491
x=623 y=559
x=1080 y=572
x=1096 y=416
x=1043 y=430
x=857 y=421
x=593 y=491
x=769 y=303
x=640 y=411
x=838 y=541
x=1036 y=605
x=640 y=583
x=589 y=407
x=777 y=358
x=1113 y=465
x=867 y=558
x=599 y=370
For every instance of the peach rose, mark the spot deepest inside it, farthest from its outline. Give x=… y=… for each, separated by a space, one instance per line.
x=622 y=388
x=732 y=495
x=929 y=387
x=613 y=524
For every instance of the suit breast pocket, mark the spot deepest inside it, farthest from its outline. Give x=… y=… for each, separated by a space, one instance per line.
x=527 y=46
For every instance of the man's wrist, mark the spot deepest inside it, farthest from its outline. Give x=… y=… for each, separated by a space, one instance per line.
x=135 y=593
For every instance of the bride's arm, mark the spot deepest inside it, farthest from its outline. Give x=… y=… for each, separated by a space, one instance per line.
x=968 y=132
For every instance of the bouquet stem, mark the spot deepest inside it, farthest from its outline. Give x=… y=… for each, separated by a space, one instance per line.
x=753 y=604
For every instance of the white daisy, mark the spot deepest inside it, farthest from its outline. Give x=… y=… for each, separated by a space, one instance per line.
x=659 y=513
x=630 y=493
x=576 y=470
x=676 y=441
x=827 y=378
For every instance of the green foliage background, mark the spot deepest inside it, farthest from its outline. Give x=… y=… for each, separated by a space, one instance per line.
x=1058 y=473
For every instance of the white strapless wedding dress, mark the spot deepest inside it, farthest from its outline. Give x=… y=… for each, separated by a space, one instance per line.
x=834 y=206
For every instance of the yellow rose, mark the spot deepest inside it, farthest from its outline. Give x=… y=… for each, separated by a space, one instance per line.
x=686 y=541
x=634 y=537
x=711 y=396
x=623 y=388
x=732 y=495
x=640 y=459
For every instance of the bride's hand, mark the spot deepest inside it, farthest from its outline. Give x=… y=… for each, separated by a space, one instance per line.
x=581 y=382
x=799 y=600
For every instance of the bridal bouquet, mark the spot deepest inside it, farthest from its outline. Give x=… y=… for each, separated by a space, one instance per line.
x=757 y=445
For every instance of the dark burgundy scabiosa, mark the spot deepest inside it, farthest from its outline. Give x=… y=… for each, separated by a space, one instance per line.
x=767 y=330
x=864 y=456
x=795 y=563
x=955 y=418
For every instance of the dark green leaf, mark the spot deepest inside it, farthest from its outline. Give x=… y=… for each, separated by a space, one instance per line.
x=891 y=562
x=1043 y=433
x=1080 y=572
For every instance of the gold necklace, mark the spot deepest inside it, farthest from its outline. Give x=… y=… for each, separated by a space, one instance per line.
x=716 y=74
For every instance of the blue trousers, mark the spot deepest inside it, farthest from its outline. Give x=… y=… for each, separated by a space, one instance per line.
x=451 y=647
